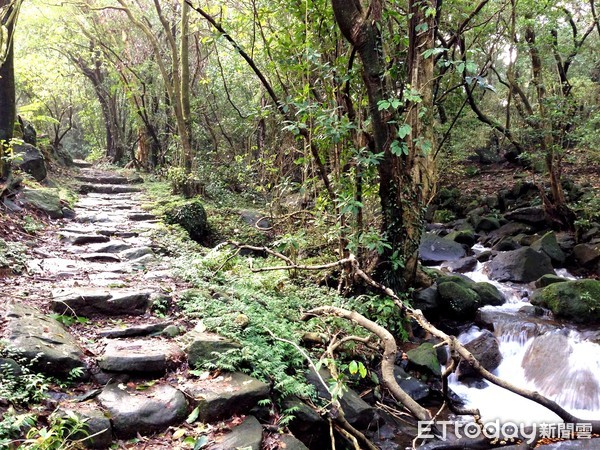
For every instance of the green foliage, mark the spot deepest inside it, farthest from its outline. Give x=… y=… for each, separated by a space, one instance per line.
x=67 y=321
x=32 y=226
x=12 y=256
x=381 y=310
x=59 y=434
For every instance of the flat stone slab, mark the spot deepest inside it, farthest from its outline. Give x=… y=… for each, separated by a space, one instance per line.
x=136 y=253
x=42 y=340
x=107 y=189
x=226 y=395
x=247 y=435
x=82 y=239
x=108 y=179
x=114 y=246
x=100 y=257
x=82 y=164
x=141 y=330
x=140 y=355
x=87 y=302
x=139 y=217
x=202 y=346
x=143 y=411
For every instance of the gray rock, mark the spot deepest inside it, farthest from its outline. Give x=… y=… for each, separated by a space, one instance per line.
x=107 y=189
x=46 y=200
x=142 y=355
x=136 y=253
x=86 y=302
x=435 y=249
x=42 y=341
x=247 y=436
x=138 y=217
x=147 y=411
x=82 y=239
x=226 y=395
x=201 y=347
x=140 y=330
x=510 y=229
x=522 y=266
x=358 y=412
x=487 y=224
x=98 y=429
x=425 y=357
x=549 y=245
x=466 y=237
x=547 y=280
x=462 y=265
x=110 y=247
x=30 y=160
x=9 y=368
x=108 y=179
x=413 y=387
x=100 y=257
x=427 y=300
x=587 y=255
x=82 y=164
x=486 y=350
x=533 y=215
x=289 y=442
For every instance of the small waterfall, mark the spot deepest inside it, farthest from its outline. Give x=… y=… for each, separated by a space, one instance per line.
x=539 y=354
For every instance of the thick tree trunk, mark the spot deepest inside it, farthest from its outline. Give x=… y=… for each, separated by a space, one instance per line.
x=8 y=112
x=405 y=181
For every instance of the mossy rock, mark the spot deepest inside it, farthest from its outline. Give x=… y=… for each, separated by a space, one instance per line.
x=549 y=245
x=191 y=217
x=44 y=199
x=425 y=355
x=488 y=294
x=578 y=301
x=460 y=301
x=461 y=297
x=466 y=237
x=549 y=279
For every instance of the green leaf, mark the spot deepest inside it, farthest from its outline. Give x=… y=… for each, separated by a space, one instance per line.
x=200 y=443
x=460 y=67
x=193 y=415
x=471 y=67
x=353 y=367
x=383 y=104
x=430 y=12
x=404 y=131
x=362 y=370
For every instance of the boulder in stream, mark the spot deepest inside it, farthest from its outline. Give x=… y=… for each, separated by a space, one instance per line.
x=578 y=300
x=521 y=266
x=435 y=249
x=486 y=349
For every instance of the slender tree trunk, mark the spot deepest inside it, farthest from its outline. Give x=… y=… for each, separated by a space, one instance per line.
x=556 y=207
x=184 y=62
x=8 y=111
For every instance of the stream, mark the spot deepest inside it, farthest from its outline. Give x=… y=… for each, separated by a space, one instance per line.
x=559 y=360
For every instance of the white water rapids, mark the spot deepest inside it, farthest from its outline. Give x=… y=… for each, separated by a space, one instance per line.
x=555 y=359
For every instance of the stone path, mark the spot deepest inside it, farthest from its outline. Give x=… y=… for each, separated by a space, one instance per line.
x=103 y=266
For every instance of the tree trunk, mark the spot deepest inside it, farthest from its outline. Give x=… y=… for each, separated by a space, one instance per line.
x=405 y=181
x=8 y=111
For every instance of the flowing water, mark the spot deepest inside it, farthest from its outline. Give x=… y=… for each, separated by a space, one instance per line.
x=558 y=360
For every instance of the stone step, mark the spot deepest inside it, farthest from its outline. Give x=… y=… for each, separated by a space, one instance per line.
x=226 y=395
x=76 y=238
x=147 y=411
x=247 y=435
x=42 y=341
x=82 y=164
x=87 y=302
x=139 y=330
x=107 y=189
x=138 y=217
x=108 y=179
x=100 y=257
x=141 y=356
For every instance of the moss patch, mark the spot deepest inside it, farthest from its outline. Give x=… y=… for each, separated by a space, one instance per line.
x=578 y=301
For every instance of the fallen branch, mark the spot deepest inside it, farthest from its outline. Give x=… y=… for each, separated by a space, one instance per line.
x=417 y=315
x=389 y=355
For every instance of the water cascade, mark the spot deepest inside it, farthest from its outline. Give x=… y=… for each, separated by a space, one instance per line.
x=556 y=359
